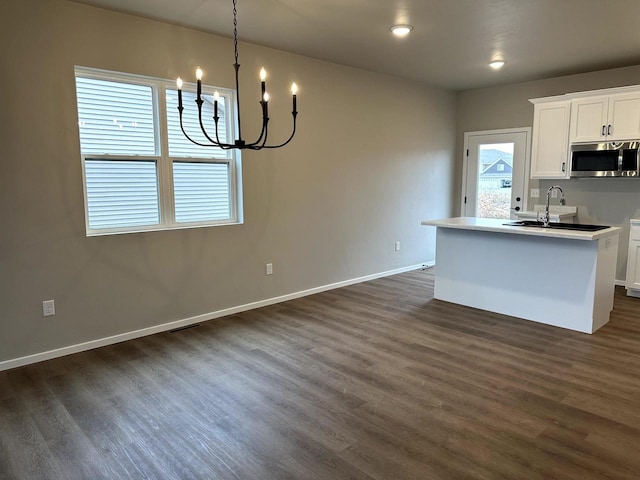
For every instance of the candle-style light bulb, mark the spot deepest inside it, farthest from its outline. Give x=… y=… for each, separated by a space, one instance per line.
x=294 y=91
x=199 y=82
x=216 y=97
x=179 y=84
x=263 y=77
x=265 y=105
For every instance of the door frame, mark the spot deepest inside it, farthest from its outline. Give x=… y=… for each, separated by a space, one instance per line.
x=527 y=161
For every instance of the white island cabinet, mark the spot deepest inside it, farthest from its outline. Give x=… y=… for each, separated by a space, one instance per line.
x=632 y=283
x=564 y=278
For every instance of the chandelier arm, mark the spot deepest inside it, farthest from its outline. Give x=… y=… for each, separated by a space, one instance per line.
x=264 y=131
x=289 y=139
x=215 y=120
x=187 y=136
x=224 y=146
x=262 y=140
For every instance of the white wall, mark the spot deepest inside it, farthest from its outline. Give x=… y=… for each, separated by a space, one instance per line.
x=373 y=157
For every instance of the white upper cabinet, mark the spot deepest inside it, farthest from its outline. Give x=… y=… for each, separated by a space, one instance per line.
x=605 y=118
x=550 y=142
x=609 y=115
x=624 y=117
x=589 y=119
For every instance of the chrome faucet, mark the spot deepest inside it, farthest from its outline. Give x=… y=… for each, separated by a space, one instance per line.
x=545 y=219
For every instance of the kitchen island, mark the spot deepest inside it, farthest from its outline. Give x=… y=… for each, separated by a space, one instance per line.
x=564 y=278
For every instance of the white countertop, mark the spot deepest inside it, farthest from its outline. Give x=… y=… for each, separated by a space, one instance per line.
x=497 y=225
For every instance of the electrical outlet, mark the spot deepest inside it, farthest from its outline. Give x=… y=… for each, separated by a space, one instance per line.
x=554 y=193
x=269 y=268
x=397 y=246
x=535 y=193
x=48 y=308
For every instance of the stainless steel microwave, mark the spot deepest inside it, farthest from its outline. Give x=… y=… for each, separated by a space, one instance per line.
x=610 y=159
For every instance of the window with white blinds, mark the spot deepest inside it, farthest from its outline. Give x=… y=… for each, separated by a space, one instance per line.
x=140 y=172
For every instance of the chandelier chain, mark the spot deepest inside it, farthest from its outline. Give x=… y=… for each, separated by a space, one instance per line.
x=235 y=30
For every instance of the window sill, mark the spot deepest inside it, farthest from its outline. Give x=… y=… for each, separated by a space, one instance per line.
x=159 y=228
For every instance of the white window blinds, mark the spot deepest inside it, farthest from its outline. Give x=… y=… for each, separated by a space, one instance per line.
x=121 y=193
x=115 y=118
x=179 y=145
x=201 y=191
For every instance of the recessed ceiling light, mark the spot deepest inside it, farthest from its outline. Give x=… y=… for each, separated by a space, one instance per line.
x=401 y=30
x=497 y=64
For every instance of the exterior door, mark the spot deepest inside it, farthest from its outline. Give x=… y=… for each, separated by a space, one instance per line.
x=495 y=173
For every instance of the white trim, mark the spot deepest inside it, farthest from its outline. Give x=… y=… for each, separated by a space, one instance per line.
x=81 y=347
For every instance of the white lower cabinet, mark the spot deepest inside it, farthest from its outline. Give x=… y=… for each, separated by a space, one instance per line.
x=632 y=283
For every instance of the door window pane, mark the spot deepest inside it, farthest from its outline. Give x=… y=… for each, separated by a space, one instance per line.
x=495 y=172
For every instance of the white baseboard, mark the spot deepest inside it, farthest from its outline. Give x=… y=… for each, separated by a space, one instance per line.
x=101 y=342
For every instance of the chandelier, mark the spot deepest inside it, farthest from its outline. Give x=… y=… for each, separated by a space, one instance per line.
x=239 y=143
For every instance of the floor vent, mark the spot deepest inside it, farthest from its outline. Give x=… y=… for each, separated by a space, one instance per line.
x=185 y=328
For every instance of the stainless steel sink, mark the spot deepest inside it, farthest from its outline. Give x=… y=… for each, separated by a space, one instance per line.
x=582 y=227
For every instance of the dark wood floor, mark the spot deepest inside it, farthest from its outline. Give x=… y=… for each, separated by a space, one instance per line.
x=373 y=381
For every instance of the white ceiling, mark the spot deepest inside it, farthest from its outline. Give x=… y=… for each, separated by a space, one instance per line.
x=451 y=44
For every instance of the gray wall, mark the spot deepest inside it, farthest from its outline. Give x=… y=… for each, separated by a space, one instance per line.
x=373 y=157
x=605 y=201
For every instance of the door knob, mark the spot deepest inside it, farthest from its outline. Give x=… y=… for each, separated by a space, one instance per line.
x=517 y=209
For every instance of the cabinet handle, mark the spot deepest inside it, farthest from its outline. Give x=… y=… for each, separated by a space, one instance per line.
x=564 y=166
x=604 y=131
x=609 y=130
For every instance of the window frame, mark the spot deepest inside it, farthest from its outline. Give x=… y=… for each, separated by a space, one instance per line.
x=164 y=162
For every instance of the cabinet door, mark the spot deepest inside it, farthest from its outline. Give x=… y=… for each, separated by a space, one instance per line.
x=589 y=119
x=624 y=117
x=549 y=153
